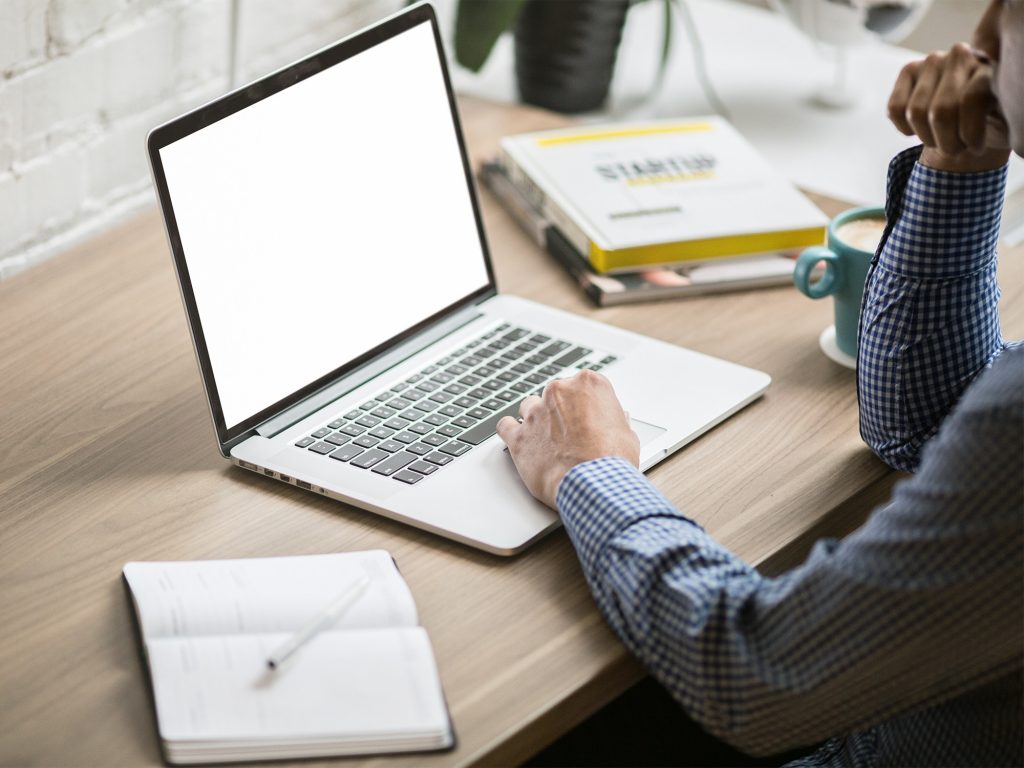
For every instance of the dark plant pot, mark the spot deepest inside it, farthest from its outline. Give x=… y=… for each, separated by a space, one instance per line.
x=565 y=52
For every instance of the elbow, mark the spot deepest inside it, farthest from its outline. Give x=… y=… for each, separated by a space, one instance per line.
x=901 y=455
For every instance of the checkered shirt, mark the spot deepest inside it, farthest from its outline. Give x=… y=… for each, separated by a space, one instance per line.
x=901 y=644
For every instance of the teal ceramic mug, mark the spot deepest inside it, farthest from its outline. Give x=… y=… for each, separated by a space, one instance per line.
x=853 y=237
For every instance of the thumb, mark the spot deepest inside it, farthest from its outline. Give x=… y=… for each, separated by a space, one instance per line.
x=507 y=429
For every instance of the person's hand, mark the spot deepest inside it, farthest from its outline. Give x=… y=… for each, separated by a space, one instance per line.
x=946 y=100
x=576 y=420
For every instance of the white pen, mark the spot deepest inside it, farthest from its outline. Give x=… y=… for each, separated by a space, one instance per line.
x=321 y=621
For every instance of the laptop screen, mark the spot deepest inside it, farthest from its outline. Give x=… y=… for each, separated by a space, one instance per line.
x=324 y=220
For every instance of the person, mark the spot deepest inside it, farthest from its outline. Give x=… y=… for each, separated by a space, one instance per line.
x=901 y=644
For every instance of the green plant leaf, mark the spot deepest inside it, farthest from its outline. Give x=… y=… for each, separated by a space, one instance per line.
x=478 y=25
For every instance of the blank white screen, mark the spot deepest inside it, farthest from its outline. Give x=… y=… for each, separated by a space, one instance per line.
x=324 y=220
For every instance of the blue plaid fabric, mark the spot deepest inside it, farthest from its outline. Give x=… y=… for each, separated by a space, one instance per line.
x=929 y=321
x=903 y=643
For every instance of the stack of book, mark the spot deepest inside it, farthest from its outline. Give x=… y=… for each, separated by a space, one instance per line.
x=655 y=210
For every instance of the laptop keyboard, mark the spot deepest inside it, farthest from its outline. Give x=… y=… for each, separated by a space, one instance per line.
x=428 y=420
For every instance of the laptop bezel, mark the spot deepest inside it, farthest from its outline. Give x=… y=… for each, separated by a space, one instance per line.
x=246 y=96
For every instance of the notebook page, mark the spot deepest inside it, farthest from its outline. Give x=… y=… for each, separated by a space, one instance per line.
x=347 y=685
x=274 y=594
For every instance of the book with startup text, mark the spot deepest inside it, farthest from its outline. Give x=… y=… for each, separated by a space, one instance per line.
x=366 y=684
x=647 y=283
x=658 y=193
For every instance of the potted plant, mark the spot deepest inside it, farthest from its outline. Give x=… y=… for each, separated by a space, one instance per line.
x=564 y=49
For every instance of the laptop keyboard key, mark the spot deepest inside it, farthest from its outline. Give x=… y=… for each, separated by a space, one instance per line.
x=448 y=431
x=571 y=356
x=337 y=439
x=438 y=458
x=322 y=447
x=436 y=419
x=454 y=448
x=410 y=478
x=449 y=411
x=410 y=415
x=464 y=402
x=486 y=428
x=470 y=380
x=478 y=413
x=321 y=433
x=440 y=397
x=353 y=430
x=336 y=423
x=493 y=385
x=426 y=406
x=455 y=389
x=346 y=453
x=435 y=440
x=554 y=348
x=305 y=442
x=522 y=387
x=368 y=421
x=393 y=464
x=419 y=449
x=399 y=403
x=493 y=404
x=421 y=429
x=353 y=415
x=366 y=441
x=391 y=446
x=384 y=412
x=423 y=467
x=381 y=432
x=508 y=397
x=413 y=394
x=406 y=437
x=396 y=423
x=368 y=459
x=463 y=422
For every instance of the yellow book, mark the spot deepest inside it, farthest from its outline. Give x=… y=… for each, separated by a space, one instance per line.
x=660 y=193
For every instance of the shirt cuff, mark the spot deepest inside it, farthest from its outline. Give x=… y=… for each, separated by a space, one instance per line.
x=942 y=224
x=600 y=499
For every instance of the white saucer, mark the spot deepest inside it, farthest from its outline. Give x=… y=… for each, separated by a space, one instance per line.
x=827 y=342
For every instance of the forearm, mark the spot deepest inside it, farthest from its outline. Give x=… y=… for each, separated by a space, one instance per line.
x=771 y=664
x=929 y=320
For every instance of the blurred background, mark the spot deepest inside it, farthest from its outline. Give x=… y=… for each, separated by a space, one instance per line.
x=83 y=81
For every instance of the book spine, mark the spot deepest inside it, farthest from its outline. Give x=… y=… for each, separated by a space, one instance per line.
x=542 y=202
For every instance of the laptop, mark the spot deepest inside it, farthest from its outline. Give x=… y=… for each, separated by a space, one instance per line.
x=335 y=275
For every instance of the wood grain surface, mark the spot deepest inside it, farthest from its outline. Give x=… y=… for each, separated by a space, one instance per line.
x=109 y=456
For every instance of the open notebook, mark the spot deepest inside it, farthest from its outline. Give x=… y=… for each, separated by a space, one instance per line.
x=368 y=684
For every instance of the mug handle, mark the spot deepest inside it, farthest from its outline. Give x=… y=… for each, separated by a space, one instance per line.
x=805 y=265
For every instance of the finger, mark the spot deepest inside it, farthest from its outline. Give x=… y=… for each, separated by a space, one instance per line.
x=508 y=430
x=919 y=105
x=528 y=405
x=900 y=97
x=977 y=105
x=946 y=109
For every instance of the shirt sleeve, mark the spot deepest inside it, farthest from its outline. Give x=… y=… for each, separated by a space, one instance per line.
x=881 y=622
x=929 y=319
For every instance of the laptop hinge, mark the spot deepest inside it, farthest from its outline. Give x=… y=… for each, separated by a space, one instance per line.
x=405 y=350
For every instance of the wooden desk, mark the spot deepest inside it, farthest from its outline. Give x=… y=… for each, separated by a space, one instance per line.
x=108 y=456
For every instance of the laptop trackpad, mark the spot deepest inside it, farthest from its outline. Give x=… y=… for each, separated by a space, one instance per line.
x=646 y=432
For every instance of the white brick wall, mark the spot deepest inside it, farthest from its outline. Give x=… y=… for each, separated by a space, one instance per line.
x=83 y=81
